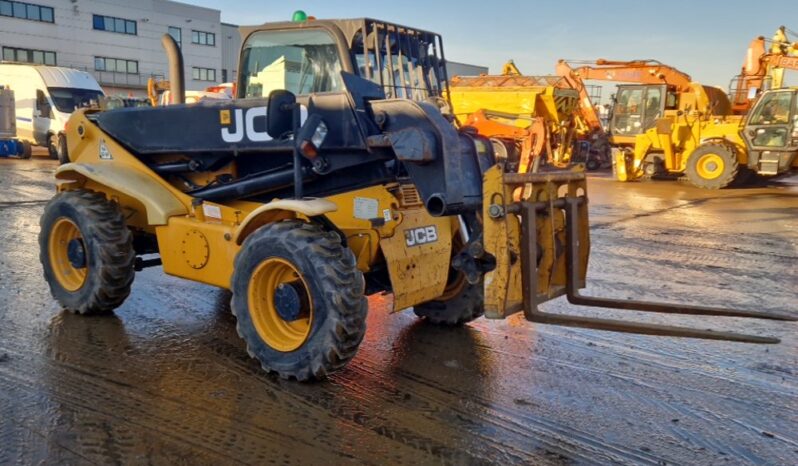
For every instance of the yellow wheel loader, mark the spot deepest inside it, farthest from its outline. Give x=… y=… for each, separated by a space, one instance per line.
x=713 y=152
x=333 y=175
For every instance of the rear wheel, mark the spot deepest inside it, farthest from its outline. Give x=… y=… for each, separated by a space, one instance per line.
x=299 y=300
x=86 y=251
x=745 y=177
x=27 y=150
x=712 y=166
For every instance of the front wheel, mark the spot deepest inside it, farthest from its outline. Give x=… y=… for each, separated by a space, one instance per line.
x=712 y=166
x=299 y=300
x=461 y=302
x=86 y=251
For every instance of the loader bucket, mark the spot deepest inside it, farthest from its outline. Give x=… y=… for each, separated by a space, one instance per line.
x=535 y=227
x=619 y=168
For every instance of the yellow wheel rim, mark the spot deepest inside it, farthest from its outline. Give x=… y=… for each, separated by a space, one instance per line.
x=70 y=277
x=710 y=166
x=279 y=333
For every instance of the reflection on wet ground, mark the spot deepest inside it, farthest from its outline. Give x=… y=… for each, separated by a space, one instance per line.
x=167 y=381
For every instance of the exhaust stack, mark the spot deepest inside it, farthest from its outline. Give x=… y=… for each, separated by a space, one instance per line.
x=177 y=88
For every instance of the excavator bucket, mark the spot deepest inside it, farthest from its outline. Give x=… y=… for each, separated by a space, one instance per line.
x=535 y=226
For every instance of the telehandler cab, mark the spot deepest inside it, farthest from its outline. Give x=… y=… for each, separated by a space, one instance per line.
x=303 y=206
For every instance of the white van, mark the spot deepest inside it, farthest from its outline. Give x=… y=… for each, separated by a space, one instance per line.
x=45 y=98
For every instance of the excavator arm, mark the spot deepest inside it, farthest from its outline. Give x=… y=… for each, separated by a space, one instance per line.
x=634 y=71
x=761 y=69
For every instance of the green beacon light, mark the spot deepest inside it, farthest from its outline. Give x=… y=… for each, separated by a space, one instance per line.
x=299 y=16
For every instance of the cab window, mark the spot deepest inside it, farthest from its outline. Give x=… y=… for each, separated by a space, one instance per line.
x=774 y=109
x=628 y=111
x=773 y=117
x=303 y=62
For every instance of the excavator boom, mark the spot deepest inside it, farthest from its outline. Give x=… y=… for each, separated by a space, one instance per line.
x=632 y=71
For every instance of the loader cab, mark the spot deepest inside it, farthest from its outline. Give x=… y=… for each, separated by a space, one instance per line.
x=771 y=132
x=637 y=108
x=308 y=56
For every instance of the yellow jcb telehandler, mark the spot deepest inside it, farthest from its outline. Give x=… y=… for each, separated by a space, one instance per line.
x=333 y=175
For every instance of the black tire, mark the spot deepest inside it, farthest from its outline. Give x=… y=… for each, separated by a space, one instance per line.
x=107 y=249
x=52 y=146
x=463 y=307
x=724 y=158
x=27 y=150
x=592 y=163
x=333 y=284
x=745 y=177
x=61 y=149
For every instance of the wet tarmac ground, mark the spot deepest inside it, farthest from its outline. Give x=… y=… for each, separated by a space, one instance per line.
x=166 y=380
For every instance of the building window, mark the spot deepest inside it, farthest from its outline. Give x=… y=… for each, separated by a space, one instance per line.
x=203 y=38
x=224 y=75
x=203 y=74
x=29 y=11
x=111 y=24
x=116 y=65
x=177 y=35
x=40 y=57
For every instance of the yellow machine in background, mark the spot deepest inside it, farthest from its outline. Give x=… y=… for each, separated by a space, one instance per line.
x=715 y=151
x=525 y=116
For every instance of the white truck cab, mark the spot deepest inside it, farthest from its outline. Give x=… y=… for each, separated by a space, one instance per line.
x=45 y=98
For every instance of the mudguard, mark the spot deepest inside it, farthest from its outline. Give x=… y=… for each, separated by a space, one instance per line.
x=268 y=212
x=157 y=200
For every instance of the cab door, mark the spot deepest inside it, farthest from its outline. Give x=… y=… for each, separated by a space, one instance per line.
x=771 y=133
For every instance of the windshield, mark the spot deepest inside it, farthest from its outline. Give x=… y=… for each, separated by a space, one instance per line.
x=302 y=62
x=68 y=99
x=774 y=119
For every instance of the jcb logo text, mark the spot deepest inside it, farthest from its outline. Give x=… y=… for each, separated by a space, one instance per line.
x=421 y=235
x=243 y=123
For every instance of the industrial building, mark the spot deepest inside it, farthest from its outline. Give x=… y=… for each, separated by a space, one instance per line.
x=120 y=41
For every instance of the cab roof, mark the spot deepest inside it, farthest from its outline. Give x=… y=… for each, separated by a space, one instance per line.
x=348 y=27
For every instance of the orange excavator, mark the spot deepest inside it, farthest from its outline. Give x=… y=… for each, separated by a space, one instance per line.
x=658 y=87
x=762 y=69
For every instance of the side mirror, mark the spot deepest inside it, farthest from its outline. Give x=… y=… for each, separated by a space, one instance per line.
x=280 y=113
